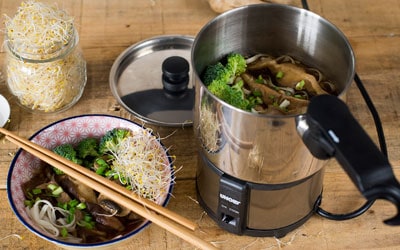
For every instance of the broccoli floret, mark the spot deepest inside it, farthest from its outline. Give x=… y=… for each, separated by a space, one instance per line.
x=111 y=139
x=88 y=147
x=68 y=152
x=236 y=64
x=219 y=80
x=213 y=72
x=233 y=95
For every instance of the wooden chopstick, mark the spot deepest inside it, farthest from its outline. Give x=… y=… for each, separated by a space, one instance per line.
x=100 y=184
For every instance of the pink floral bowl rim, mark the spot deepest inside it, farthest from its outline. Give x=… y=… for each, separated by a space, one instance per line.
x=70 y=130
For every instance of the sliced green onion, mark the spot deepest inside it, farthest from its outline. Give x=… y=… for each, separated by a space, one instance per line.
x=62 y=205
x=86 y=224
x=279 y=75
x=52 y=186
x=28 y=203
x=257 y=92
x=58 y=171
x=64 y=232
x=81 y=206
x=87 y=218
x=109 y=173
x=36 y=191
x=73 y=203
x=70 y=217
x=29 y=195
x=260 y=79
x=103 y=166
x=300 y=85
x=101 y=162
x=101 y=169
x=57 y=191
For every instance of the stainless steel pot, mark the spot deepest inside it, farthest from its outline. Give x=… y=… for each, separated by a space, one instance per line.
x=264 y=148
x=257 y=174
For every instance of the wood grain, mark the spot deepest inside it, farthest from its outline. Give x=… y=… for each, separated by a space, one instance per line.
x=107 y=27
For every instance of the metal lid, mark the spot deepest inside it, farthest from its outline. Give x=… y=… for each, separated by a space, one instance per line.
x=151 y=80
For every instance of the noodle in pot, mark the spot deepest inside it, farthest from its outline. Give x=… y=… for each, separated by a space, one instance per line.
x=266 y=85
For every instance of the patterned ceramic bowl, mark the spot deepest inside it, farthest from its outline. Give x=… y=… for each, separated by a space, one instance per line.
x=72 y=130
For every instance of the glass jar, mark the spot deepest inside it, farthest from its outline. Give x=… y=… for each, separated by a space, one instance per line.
x=46 y=79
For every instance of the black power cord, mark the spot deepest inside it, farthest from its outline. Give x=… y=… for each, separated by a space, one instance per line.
x=382 y=144
x=305 y=4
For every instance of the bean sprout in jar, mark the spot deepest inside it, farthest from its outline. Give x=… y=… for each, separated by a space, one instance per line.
x=46 y=70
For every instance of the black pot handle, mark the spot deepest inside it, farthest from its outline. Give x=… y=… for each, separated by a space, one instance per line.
x=329 y=130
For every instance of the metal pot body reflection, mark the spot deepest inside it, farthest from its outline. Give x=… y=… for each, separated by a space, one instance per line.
x=263 y=148
x=254 y=148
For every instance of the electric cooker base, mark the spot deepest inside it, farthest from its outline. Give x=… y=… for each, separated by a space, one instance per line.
x=246 y=208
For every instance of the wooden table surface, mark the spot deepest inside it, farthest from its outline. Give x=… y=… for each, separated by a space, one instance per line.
x=107 y=27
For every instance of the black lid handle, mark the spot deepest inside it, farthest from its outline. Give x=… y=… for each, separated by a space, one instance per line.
x=330 y=130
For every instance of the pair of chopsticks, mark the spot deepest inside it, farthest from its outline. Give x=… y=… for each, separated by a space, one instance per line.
x=159 y=215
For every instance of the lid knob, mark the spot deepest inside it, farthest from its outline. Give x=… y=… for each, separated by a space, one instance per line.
x=175 y=77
